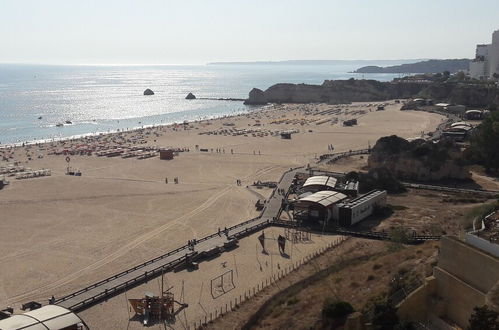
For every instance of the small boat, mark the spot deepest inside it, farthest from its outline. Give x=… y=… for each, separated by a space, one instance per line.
x=40 y=117
x=68 y=122
x=59 y=124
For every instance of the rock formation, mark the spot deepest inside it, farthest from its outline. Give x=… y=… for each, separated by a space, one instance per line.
x=190 y=96
x=418 y=160
x=256 y=96
x=148 y=92
x=345 y=91
x=337 y=91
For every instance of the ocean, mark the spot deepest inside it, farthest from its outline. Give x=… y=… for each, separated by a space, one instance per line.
x=99 y=99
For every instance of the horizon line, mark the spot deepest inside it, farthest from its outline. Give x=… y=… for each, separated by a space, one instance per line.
x=219 y=62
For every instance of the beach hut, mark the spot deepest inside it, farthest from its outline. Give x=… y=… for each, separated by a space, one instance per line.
x=166 y=154
x=350 y=122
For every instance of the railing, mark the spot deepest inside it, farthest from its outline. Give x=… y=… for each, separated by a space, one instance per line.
x=397 y=297
x=124 y=285
x=235 y=234
x=336 y=156
x=111 y=278
x=379 y=235
x=148 y=274
x=450 y=189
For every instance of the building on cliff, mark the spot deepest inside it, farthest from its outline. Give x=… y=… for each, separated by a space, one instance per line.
x=486 y=62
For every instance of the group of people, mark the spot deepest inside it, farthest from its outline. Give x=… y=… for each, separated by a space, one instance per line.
x=191 y=243
x=225 y=231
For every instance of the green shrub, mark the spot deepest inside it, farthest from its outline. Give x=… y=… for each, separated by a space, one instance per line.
x=336 y=310
x=484 y=318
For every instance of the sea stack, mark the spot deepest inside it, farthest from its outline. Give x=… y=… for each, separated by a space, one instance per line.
x=256 y=96
x=190 y=96
x=148 y=92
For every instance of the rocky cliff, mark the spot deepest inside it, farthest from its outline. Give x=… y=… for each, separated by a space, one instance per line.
x=418 y=160
x=471 y=95
x=334 y=91
x=345 y=91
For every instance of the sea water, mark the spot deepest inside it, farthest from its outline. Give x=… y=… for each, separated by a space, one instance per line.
x=99 y=99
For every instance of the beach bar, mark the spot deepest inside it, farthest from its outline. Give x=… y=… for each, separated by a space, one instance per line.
x=317 y=207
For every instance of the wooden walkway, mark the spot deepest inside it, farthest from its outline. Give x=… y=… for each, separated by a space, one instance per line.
x=208 y=246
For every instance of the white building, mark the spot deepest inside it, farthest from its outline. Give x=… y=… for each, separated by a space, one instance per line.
x=50 y=317
x=486 y=61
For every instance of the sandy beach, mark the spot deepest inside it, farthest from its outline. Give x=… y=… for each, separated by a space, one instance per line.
x=61 y=232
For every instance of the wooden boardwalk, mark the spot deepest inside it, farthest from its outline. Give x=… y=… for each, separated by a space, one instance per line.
x=210 y=245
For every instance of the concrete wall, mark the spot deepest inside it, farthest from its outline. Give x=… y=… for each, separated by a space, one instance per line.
x=458 y=297
x=417 y=305
x=483 y=244
x=460 y=282
x=473 y=266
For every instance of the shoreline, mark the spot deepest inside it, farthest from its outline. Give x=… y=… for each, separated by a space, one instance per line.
x=38 y=142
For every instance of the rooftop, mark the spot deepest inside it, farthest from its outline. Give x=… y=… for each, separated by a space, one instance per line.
x=47 y=317
x=359 y=200
x=322 y=180
x=325 y=198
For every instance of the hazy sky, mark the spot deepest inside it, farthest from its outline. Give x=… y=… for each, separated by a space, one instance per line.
x=195 y=32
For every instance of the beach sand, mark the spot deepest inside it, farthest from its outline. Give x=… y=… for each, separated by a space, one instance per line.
x=60 y=233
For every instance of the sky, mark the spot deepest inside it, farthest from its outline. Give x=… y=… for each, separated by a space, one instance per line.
x=201 y=31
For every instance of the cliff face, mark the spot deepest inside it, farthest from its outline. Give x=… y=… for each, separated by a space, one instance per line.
x=337 y=91
x=418 y=160
x=346 y=91
x=470 y=95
